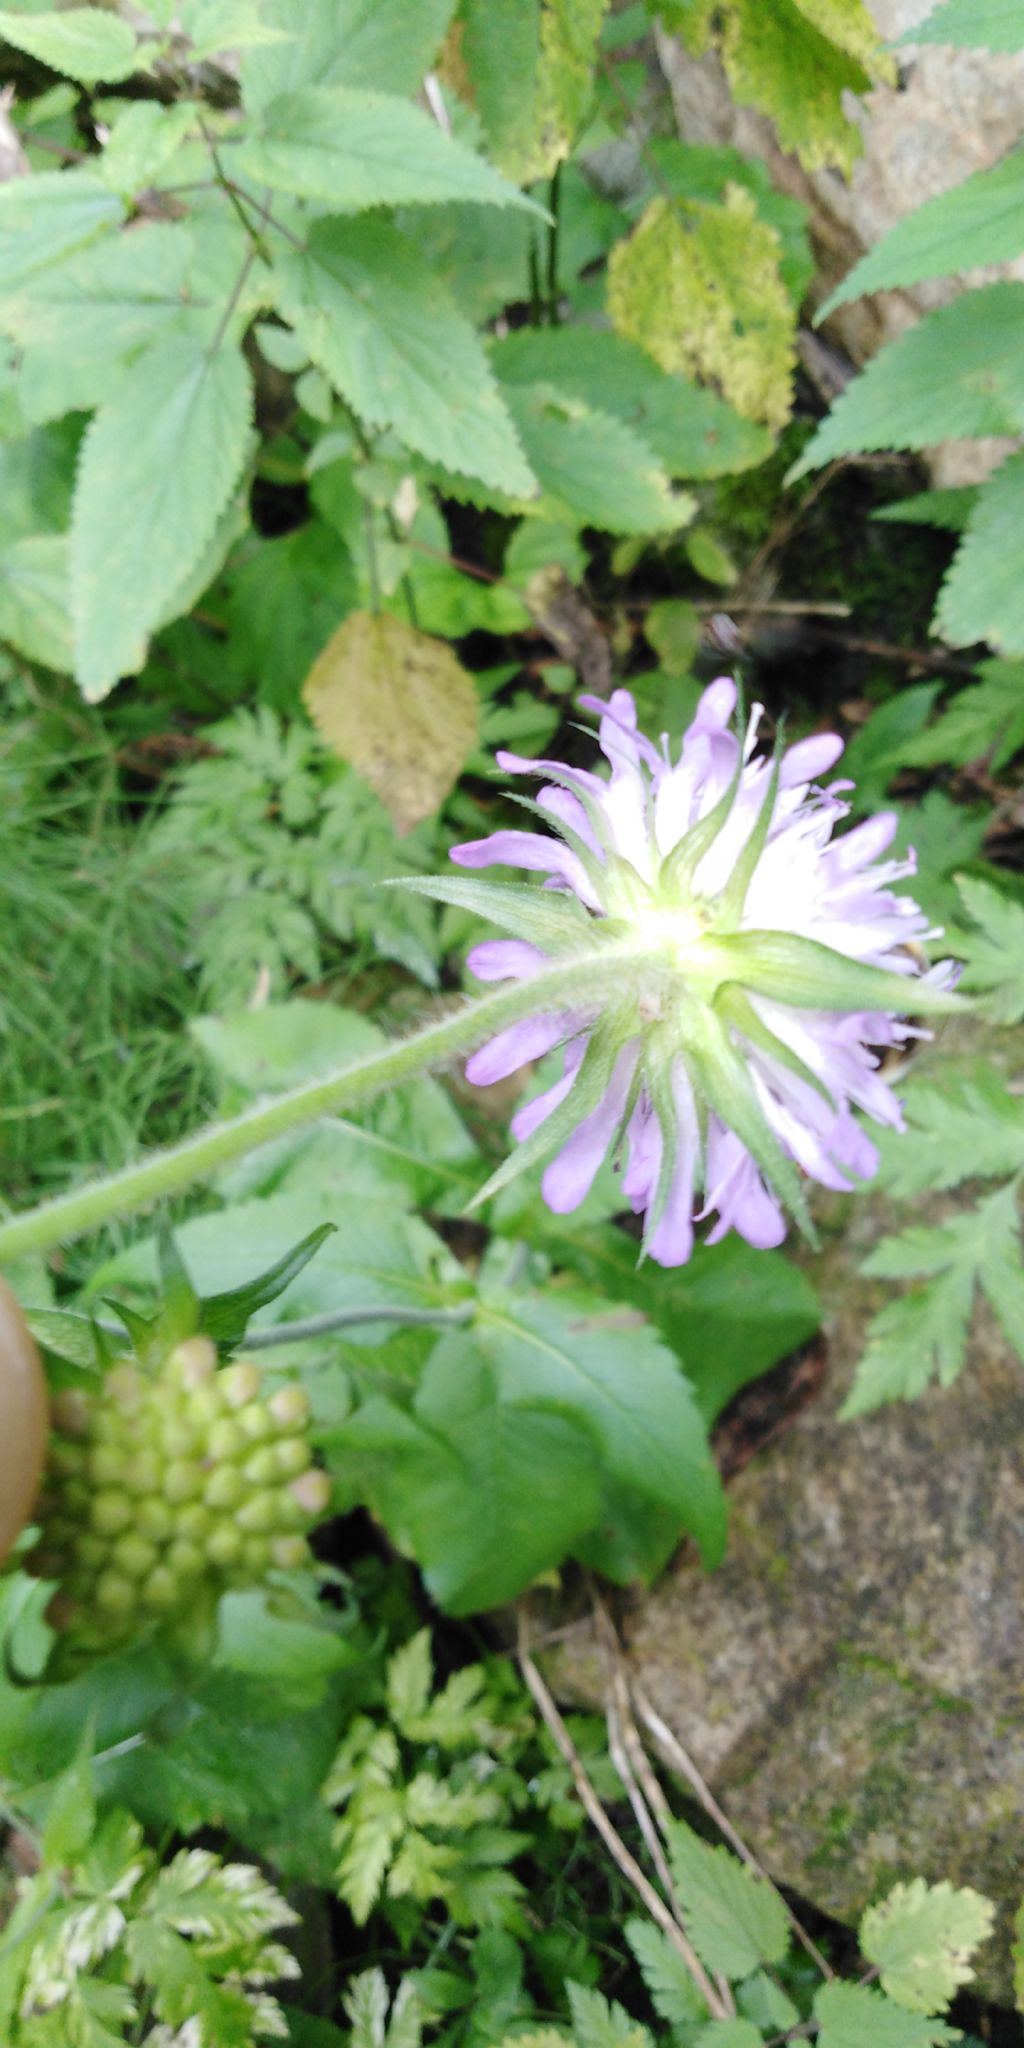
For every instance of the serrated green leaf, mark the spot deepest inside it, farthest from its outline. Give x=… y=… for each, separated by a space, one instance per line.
x=143 y=139
x=957 y=1129
x=923 y=1335
x=980 y=221
x=86 y=43
x=115 y=298
x=795 y=62
x=982 y=598
x=922 y=1938
x=673 y=1993
x=353 y=149
x=986 y=718
x=386 y=45
x=600 y=471
x=993 y=954
x=410 y=1677
x=698 y=286
x=855 y=2016
x=735 y=1919
x=958 y=373
x=693 y=432
x=379 y=323
x=35 y=617
x=44 y=218
x=159 y=464
x=971 y=25
x=598 y=2022
x=948 y=509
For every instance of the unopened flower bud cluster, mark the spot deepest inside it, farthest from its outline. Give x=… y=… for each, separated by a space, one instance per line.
x=166 y=1484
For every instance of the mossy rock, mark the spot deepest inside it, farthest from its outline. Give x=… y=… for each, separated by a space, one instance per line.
x=851 y=1681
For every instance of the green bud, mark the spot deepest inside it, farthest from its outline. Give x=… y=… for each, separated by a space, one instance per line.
x=224 y=1488
x=226 y=1546
x=290 y=1407
x=90 y=1550
x=182 y=1481
x=161 y=1589
x=241 y=1382
x=204 y=1408
x=256 y=1422
x=178 y=1439
x=114 y=1593
x=193 y=1362
x=186 y=1560
x=225 y=1440
x=289 y=1552
x=132 y=1555
x=262 y=1468
x=193 y=1523
x=259 y=1514
x=256 y=1556
x=142 y=1474
x=110 y=1511
x=105 y=1465
x=312 y=1492
x=153 y=1518
x=291 y=1457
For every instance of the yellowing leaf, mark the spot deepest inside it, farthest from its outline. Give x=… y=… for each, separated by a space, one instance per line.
x=529 y=71
x=922 y=1938
x=699 y=287
x=397 y=705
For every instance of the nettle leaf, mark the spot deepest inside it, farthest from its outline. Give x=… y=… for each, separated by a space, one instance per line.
x=855 y=2016
x=971 y=25
x=981 y=598
x=698 y=286
x=158 y=465
x=598 y=2022
x=948 y=508
x=399 y=706
x=673 y=1993
x=693 y=432
x=86 y=43
x=484 y=1496
x=529 y=72
x=992 y=950
x=736 y=1920
x=385 y=330
x=44 y=218
x=600 y=471
x=962 y=1128
x=35 y=615
x=958 y=373
x=987 y=718
x=980 y=221
x=923 y=1335
x=386 y=45
x=115 y=298
x=923 y=1937
x=355 y=149
x=143 y=139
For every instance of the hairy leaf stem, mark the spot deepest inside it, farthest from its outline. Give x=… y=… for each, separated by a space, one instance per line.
x=572 y=982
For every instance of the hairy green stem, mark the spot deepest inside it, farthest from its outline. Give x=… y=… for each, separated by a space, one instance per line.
x=573 y=982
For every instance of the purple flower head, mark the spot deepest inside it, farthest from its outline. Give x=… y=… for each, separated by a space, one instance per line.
x=755 y=966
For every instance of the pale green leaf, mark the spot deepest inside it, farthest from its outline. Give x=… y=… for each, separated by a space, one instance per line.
x=87 y=43
x=983 y=595
x=736 y=1920
x=410 y=1675
x=586 y=461
x=399 y=706
x=386 y=45
x=673 y=1993
x=968 y=1128
x=796 y=61
x=855 y=2016
x=699 y=287
x=44 y=218
x=923 y=1335
x=378 y=322
x=958 y=373
x=986 y=719
x=114 y=298
x=528 y=913
x=922 y=1938
x=992 y=949
x=213 y=26
x=971 y=25
x=143 y=139
x=158 y=466
x=692 y=431
x=34 y=599
x=980 y=221
x=598 y=2022
x=354 y=149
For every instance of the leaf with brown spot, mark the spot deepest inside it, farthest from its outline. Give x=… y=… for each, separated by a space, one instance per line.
x=399 y=706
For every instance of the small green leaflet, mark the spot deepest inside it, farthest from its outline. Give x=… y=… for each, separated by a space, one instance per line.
x=86 y=43
x=958 y=373
x=385 y=45
x=985 y=719
x=923 y=1334
x=923 y=1937
x=673 y=1993
x=34 y=614
x=736 y=1920
x=598 y=2022
x=601 y=472
x=980 y=221
x=948 y=508
x=965 y=1128
x=971 y=25
x=992 y=949
x=983 y=596
x=374 y=317
x=158 y=466
x=855 y=2016
x=45 y=217
x=354 y=149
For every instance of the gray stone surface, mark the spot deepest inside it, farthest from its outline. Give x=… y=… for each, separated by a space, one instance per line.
x=851 y=1681
x=954 y=112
